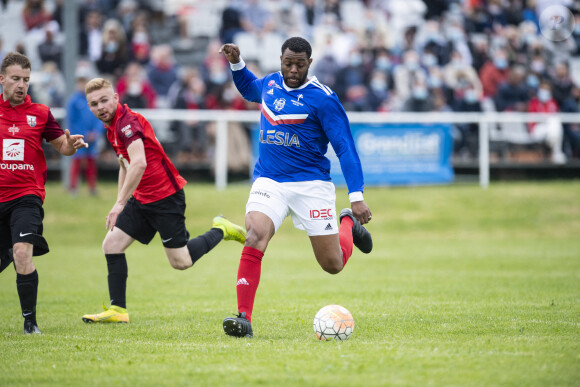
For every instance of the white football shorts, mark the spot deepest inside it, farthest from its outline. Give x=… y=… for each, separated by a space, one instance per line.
x=310 y=203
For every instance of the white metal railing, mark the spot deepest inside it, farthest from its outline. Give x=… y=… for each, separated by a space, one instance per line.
x=222 y=117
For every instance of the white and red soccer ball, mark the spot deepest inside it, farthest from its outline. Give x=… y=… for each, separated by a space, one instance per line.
x=333 y=322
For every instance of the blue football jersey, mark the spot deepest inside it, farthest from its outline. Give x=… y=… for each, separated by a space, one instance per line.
x=296 y=127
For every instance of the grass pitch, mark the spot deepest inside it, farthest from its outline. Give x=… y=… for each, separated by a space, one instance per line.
x=464 y=287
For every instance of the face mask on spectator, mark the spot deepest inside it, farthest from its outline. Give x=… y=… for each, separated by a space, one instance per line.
x=134 y=88
x=429 y=60
x=355 y=60
x=378 y=85
x=420 y=92
x=411 y=64
x=111 y=47
x=455 y=34
x=544 y=95
x=383 y=64
x=532 y=81
x=500 y=63
x=470 y=96
x=218 y=77
x=537 y=66
x=435 y=82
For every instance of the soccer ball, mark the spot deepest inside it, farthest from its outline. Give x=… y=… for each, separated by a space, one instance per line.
x=333 y=322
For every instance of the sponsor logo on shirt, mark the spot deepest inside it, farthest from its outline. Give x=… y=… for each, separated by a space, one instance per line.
x=31 y=121
x=279 y=138
x=127 y=130
x=13 y=149
x=324 y=213
x=260 y=193
x=271 y=92
x=273 y=83
x=297 y=102
x=14 y=129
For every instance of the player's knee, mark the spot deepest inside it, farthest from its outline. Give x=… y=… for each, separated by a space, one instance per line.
x=180 y=265
x=333 y=266
x=110 y=246
x=21 y=254
x=254 y=240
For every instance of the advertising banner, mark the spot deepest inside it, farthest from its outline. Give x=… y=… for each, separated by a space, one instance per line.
x=400 y=154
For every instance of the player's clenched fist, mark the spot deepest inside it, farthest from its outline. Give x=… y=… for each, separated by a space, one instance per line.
x=231 y=52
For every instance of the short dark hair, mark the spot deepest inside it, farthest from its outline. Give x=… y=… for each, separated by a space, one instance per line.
x=15 y=58
x=297 y=44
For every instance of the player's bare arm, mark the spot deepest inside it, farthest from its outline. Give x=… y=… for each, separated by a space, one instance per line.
x=67 y=144
x=131 y=177
x=231 y=52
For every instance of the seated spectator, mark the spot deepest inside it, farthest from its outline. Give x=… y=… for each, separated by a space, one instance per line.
x=404 y=73
x=457 y=69
x=572 y=130
x=50 y=89
x=562 y=82
x=494 y=72
x=231 y=24
x=191 y=136
x=378 y=89
x=419 y=100
x=91 y=37
x=50 y=50
x=549 y=131
x=140 y=46
x=353 y=74
x=467 y=100
x=114 y=49
x=135 y=89
x=35 y=15
x=513 y=91
x=256 y=18
x=162 y=72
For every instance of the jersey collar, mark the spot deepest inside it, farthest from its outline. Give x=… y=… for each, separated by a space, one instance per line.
x=6 y=104
x=310 y=80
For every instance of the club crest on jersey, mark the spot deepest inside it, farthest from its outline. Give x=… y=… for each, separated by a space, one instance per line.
x=279 y=104
x=31 y=121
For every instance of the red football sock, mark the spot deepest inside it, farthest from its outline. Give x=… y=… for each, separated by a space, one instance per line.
x=345 y=238
x=249 y=279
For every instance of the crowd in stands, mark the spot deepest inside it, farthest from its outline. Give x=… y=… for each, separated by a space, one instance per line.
x=377 y=55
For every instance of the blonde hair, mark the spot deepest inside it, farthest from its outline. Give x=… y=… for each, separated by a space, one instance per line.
x=97 y=84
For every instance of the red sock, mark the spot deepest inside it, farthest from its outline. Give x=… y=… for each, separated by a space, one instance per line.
x=248 y=279
x=345 y=238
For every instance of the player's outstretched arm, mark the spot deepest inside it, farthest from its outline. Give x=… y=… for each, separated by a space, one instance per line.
x=231 y=52
x=67 y=144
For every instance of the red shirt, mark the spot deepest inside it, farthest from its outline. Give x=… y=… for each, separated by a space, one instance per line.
x=23 y=166
x=537 y=106
x=161 y=178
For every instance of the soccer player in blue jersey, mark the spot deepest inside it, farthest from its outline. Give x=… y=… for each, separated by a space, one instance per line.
x=300 y=116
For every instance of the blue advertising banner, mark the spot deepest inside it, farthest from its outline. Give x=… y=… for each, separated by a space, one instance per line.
x=400 y=154
x=395 y=154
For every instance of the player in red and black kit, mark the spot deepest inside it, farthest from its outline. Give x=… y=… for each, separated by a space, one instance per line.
x=150 y=199
x=23 y=126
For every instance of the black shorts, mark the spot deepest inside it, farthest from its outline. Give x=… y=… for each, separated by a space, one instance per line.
x=142 y=221
x=21 y=221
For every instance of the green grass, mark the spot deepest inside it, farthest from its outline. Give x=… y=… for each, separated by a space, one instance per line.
x=464 y=287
